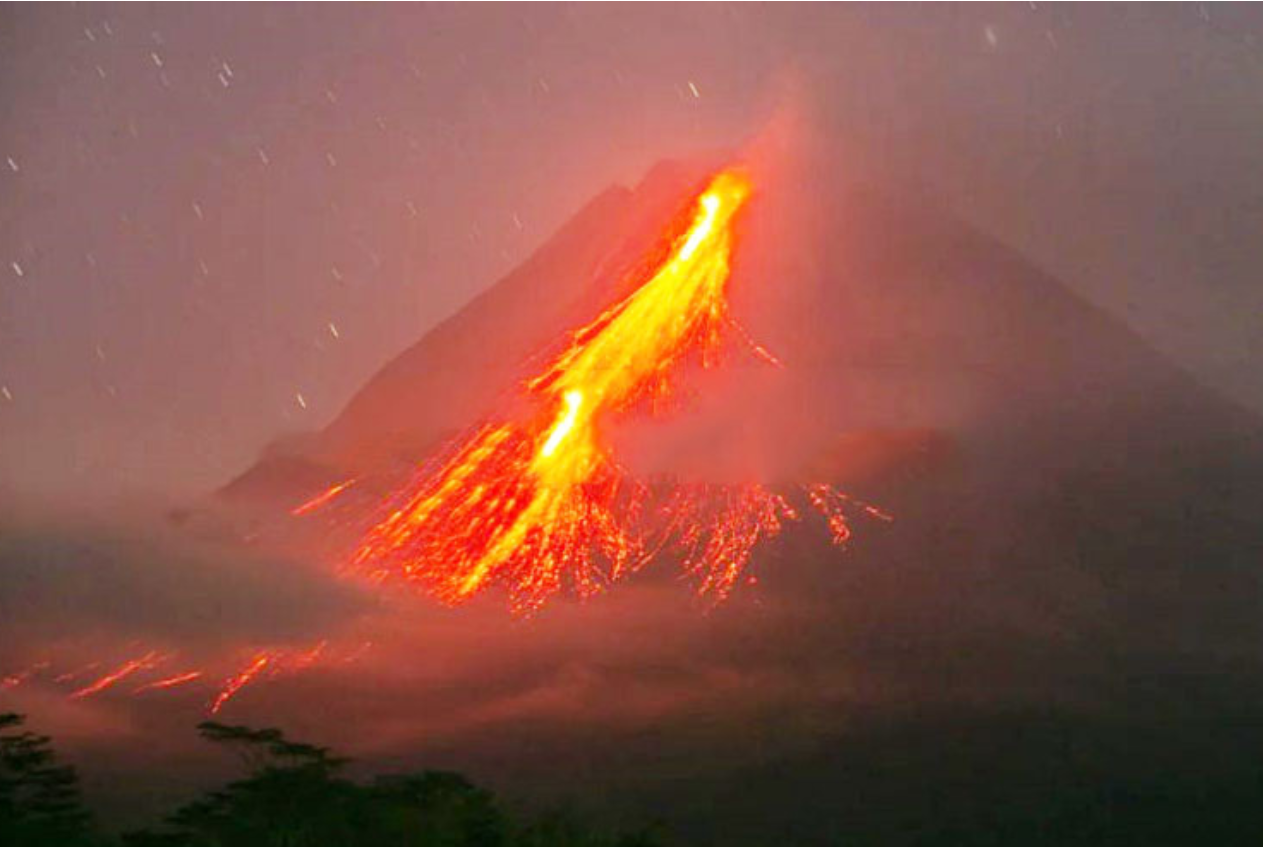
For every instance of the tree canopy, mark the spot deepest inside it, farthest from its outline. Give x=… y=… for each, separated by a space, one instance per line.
x=294 y=794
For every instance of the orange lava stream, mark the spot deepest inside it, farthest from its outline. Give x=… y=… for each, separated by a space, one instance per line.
x=149 y=660
x=534 y=502
x=168 y=682
x=239 y=680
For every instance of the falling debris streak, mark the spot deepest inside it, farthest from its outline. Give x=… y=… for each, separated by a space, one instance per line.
x=168 y=682
x=238 y=681
x=540 y=503
x=145 y=662
x=322 y=498
x=831 y=505
x=272 y=662
x=13 y=680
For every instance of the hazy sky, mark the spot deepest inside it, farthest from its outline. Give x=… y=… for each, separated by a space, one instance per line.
x=217 y=221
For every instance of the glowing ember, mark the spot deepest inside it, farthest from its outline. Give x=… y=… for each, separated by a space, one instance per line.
x=718 y=527
x=168 y=682
x=13 y=680
x=322 y=498
x=239 y=680
x=270 y=663
x=145 y=662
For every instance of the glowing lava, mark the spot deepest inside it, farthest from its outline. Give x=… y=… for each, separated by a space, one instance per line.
x=321 y=499
x=145 y=662
x=540 y=502
x=533 y=502
x=240 y=679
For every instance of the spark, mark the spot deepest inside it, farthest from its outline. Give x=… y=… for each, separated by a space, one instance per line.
x=697 y=95
x=149 y=660
x=322 y=498
x=168 y=682
x=830 y=504
x=302 y=401
x=13 y=166
x=836 y=508
x=6 y=393
x=333 y=330
x=17 y=268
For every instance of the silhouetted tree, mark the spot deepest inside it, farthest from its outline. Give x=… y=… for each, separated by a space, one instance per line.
x=296 y=797
x=40 y=804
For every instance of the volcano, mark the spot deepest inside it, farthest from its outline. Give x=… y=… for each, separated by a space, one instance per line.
x=926 y=366
x=1066 y=606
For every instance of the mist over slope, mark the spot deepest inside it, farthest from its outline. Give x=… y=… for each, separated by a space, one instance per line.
x=905 y=337
x=1072 y=565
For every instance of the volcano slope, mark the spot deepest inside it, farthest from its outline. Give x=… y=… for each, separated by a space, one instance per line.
x=1058 y=638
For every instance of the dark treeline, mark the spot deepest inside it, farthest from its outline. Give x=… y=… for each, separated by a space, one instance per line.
x=294 y=796
x=1030 y=778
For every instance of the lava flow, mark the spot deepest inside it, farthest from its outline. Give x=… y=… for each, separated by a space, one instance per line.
x=540 y=502
x=530 y=502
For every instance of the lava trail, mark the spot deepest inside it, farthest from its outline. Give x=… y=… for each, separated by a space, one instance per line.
x=534 y=502
x=539 y=502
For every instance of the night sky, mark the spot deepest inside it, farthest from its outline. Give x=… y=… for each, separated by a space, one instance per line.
x=209 y=213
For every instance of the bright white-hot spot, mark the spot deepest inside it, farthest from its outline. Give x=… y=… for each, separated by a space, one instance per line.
x=710 y=205
x=565 y=423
